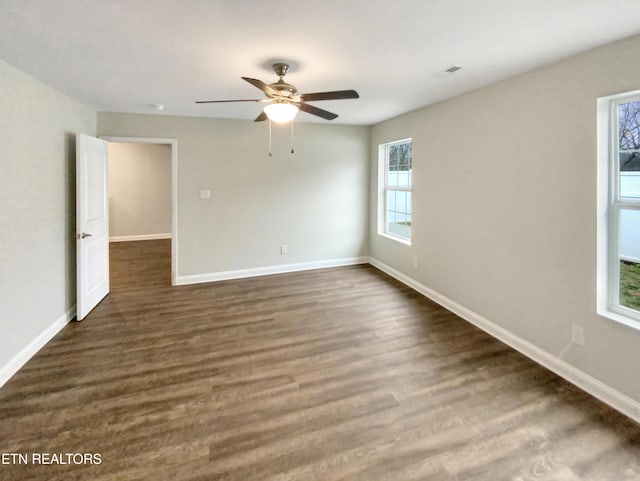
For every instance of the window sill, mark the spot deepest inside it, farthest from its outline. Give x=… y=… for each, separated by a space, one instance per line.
x=620 y=318
x=401 y=240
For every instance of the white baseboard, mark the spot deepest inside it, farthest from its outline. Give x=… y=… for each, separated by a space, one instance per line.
x=269 y=270
x=586 y=382
x=8 y=370
x=129 y=238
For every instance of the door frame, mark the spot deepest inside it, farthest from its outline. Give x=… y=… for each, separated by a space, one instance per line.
x=174 y=189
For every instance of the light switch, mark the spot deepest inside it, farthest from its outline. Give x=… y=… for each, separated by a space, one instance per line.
x=205 y=194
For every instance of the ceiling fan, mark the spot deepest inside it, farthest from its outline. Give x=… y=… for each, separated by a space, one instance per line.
x=283 y=100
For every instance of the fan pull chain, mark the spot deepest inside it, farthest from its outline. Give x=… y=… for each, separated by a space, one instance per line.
x=292 y=137
x=269 y=137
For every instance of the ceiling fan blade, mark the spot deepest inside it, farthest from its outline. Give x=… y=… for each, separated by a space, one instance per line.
x=261 y=118
x=225 y=101
x=310 y=109
x=335 y=95
x=262 y=86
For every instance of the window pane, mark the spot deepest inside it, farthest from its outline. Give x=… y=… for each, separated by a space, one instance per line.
x=628 y=128
x=391 y=220
x=630 y=258
x=629 y=148
x=403 y=179
x=391 y=200
x=630 y=234
x=629 y=182
x=394 y=158
x=390 y=214
x=401 y=201
x=407 y=226
x=630 y=285
x=392 y=179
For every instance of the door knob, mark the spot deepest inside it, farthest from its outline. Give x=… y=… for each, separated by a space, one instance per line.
x=84 y=234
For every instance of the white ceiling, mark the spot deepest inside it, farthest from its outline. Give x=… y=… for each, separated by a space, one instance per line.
x=125 y=55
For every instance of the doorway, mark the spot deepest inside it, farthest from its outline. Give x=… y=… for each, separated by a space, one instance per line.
x=142 y=211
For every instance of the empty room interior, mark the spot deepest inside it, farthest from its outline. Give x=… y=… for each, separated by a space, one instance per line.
x=320 y=241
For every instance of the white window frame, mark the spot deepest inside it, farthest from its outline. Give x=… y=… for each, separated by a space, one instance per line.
x=383 y=168
x=610 y=204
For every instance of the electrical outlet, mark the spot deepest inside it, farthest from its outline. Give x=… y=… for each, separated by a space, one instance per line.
x=205 y=194
x=416 y=264
x=577 y=335
x=283 y=250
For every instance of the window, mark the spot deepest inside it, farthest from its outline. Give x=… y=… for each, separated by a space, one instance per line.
x=395 y=193
x=619 y=187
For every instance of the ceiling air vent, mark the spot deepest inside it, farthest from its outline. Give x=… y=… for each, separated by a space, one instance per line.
x=453 y=68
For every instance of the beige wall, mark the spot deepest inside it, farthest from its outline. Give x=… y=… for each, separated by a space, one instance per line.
x=139 y=189
x=315 y=201
x=37 y=186
x=505 y=206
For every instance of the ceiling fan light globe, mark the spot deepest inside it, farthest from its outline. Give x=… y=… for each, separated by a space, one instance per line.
x=281 y=112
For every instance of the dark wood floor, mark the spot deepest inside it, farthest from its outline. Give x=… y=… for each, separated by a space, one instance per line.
x=336 y=374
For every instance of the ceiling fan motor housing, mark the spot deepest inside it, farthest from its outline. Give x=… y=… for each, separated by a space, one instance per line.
x=281 y=69
x=284 y=89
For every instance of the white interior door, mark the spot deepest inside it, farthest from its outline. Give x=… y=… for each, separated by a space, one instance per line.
x=92 y=223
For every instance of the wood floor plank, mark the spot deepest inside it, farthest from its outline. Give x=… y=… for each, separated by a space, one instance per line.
x=328 y=375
